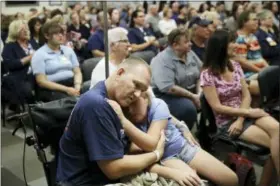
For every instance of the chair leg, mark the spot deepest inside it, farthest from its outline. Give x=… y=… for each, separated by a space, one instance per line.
x=19 y=125
x=4 y=114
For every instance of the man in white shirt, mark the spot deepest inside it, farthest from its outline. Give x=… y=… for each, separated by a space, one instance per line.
x=119 y=48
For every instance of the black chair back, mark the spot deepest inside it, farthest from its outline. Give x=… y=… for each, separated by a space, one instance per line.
x=206 y=130
x=87 y=67
x=269 y=80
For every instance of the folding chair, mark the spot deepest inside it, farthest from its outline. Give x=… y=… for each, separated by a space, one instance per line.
x=208 y=138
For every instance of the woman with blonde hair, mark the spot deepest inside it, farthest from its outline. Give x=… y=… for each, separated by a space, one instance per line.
x=17 y=55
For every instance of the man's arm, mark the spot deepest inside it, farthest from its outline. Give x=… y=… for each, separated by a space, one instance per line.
x=128 y=165
x=97 y=53
x=179 y=91
x=131 y=164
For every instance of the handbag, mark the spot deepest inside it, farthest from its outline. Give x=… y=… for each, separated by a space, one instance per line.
x=49 y=119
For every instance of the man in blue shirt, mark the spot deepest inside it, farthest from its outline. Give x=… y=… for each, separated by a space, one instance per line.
x=143 y=41
x=96 y=41
x=93 y=146
x=201 y=35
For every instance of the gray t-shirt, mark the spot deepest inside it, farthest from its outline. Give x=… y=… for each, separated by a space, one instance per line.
x=169 y=70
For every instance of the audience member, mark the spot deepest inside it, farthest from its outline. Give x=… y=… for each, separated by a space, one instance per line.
x=56 y=12
x=181 y=69
x=96 y=41
x=119 y=49
x=115 y=18
x=17 y=55
x=55 y=66
x=165 y=8
x=221 y=10
x=175 y=9
x=5 y=22
x=231 y=23
x=270 y=47
x=34 y=25
x=214 y=17
x=274 y=8
x=166 y=25
x=78 y=30
x=192 y=13
x=226 y=92
x=181 y=19
x=152 y=18
x=143 y=41
x=19 y=16
x=94 y=146
x=249 y=52
x=200 y=33
x=202 y=8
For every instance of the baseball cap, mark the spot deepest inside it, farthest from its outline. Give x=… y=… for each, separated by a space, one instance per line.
x=117 y=34
x=199 y=21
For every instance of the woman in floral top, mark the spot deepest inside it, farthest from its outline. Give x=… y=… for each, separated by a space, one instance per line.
x=227 y=93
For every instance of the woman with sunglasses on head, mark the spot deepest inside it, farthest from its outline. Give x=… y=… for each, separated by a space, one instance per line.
x=224 y=86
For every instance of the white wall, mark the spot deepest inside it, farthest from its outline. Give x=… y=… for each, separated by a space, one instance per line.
x=25 y=9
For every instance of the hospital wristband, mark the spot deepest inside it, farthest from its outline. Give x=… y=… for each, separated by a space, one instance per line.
x=157 y=155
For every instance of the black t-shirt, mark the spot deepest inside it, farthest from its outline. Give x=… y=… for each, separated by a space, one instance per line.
x=199 y=51
x=83 y=30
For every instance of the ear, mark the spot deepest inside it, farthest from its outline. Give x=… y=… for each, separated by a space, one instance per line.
x=120 y=71
x=174 y=45
x=47 y=36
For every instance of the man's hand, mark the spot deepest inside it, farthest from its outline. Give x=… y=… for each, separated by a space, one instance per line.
x=72 y=91
x=235 y=128
x=117 y=108
x=186 y=177
x=191 y=139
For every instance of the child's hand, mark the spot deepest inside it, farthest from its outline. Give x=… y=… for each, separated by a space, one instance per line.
x=117 y=108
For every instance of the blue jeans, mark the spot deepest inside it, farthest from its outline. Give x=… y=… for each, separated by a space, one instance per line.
x=182 y=108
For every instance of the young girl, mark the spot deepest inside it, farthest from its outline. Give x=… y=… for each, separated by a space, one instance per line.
x=151 y=116
x=227 y=93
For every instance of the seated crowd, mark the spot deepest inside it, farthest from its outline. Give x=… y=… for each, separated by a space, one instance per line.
x=160 y=64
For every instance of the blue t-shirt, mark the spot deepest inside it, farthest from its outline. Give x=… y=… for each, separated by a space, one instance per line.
x=96 y=41
x=175 y=141
x=136 y=36
x=93 y=133
x=56 y=65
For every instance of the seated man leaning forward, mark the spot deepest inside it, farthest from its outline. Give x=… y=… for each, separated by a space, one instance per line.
x=93 y=146
x=181 y=155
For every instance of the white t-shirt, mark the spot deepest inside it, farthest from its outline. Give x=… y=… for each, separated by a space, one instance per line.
x=166 y=26
x=98 y=73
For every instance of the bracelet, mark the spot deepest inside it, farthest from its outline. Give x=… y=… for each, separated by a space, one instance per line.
x=157 y=155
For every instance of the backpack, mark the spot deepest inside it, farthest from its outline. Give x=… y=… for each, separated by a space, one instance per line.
x=243 y=168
